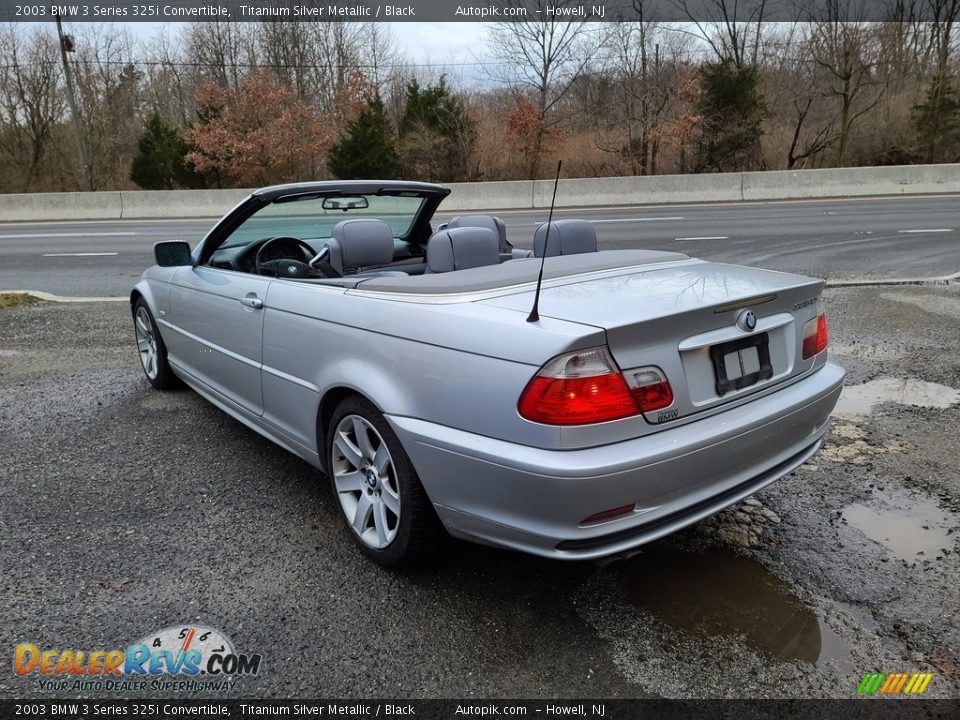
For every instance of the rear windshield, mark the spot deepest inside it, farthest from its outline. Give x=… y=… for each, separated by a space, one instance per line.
x=315 y=217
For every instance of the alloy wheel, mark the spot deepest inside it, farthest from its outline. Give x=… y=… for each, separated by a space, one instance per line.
x=366 y=481
x=146 y=342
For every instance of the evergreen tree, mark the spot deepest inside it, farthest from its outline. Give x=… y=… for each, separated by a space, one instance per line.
x=159 y=161
x=937 y=120
x=436 y=133
x=366 y=150
x=733 y=110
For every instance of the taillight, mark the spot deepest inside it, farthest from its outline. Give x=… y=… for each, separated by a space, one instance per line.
x=577 y=389
x=649 y=388
x=586 y=387
x=815 y=336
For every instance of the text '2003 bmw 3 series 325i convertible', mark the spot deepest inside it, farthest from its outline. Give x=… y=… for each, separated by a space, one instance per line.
x=653 y=390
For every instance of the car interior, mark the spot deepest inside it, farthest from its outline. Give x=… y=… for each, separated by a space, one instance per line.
x=365 y=247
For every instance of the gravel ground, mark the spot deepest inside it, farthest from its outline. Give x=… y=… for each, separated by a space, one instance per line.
x=124 y=510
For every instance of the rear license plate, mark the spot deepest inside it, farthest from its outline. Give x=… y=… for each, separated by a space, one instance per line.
x=741 y=363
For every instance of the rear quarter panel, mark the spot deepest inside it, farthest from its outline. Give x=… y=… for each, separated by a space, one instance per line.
x=462 y=365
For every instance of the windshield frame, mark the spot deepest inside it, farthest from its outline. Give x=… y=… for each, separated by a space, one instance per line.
x=416 y=236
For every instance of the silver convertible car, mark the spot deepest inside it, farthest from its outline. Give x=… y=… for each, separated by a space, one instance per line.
x=403 y=361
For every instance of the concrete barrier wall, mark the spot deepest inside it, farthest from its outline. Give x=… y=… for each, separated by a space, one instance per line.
x=650 y=190
x=179 y=203
x=851 y=182
x=510 y=195
x=60 y=206
x=524 y=194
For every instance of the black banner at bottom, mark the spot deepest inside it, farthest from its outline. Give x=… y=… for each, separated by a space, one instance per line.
x=853 y=709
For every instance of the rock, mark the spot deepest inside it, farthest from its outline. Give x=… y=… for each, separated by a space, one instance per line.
x=735 y=535
x=771 y=516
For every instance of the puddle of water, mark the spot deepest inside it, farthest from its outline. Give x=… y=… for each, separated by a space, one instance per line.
x=860 y=399
x=912 y=528
x=719 y=593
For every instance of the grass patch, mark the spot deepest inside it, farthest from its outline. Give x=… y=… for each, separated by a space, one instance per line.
x=8 y=300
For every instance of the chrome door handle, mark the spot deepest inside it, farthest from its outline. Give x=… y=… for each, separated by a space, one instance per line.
x=252 y=302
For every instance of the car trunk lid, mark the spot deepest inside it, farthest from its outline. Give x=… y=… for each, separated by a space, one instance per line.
x=690 y=320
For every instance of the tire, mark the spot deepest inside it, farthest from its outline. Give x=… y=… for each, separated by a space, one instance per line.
x=152 y=351
x=382 y=503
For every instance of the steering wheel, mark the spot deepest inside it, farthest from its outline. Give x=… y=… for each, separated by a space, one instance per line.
x=284 y=267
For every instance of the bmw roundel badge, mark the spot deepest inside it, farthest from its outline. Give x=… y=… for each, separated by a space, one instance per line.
x=747 y=321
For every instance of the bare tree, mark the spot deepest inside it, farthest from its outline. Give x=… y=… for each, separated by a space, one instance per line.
x=642 y=72
x=109 y=100
x=31 y=100
x=221 y=51
x=169 y=85
x=732 y=29
x=846 y=52
x=287 y=49
x=543 y=57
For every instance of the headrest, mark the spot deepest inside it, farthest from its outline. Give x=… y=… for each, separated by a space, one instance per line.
x=462 y=248
x=360 y=243
x=484 y=221
x=567 y=237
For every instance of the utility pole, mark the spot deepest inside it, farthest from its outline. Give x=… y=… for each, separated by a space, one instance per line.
x=66 y=44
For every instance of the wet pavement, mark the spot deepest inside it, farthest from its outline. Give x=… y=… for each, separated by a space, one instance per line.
x=123 y=510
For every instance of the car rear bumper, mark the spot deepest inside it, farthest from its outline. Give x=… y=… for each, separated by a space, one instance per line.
x=535 y=500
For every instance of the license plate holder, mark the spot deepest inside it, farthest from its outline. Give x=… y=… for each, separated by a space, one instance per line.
x=741 y=363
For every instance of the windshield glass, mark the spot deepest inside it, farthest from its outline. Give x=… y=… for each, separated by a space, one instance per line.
x=314 y=218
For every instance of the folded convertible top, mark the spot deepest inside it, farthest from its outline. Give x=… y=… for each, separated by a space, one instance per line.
x=517 y=272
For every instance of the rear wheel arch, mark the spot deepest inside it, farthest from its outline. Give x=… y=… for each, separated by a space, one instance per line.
x=373 y=479
x=328 y=405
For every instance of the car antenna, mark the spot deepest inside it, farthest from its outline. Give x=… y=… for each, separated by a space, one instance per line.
x=534 y=315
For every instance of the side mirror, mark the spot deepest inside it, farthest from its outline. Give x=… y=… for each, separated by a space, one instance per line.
x=172 y=253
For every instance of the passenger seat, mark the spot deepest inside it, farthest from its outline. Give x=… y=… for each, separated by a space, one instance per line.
x=462 y=248
x=567 y=237
x=507 y=251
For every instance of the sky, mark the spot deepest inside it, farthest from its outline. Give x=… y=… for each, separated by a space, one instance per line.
x=420 y=41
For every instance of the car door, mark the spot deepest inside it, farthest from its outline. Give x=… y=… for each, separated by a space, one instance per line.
x=216 y=321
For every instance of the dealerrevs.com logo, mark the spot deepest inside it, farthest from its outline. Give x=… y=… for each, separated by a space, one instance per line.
x=177 y=658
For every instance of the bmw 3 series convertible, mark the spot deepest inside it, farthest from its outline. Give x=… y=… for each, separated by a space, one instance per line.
x=401 y=358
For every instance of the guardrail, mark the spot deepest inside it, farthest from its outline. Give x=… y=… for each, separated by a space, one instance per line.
x=523 y=194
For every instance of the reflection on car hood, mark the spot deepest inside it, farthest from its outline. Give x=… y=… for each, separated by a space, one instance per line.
x=649 y=293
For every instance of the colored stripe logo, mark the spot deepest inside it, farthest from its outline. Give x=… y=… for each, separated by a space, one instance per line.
x=894 y=683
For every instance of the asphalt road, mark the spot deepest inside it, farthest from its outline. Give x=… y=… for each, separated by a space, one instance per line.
x=839 y=239
x=124 y=510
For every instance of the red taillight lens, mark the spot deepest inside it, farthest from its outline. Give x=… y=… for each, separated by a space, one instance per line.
x=577 y=389
x=649 y=388
x=815 y=336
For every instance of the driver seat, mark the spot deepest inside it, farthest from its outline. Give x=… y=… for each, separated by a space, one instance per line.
x=360 y=243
